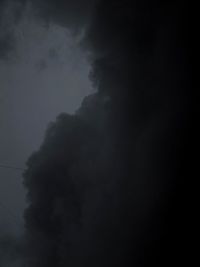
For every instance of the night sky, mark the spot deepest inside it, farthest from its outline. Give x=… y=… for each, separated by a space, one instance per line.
x=95 y=109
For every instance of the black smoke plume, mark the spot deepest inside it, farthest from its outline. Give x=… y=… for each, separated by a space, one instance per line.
x=106 y=186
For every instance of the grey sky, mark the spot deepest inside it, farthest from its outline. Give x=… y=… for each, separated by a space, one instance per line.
x=45 y=74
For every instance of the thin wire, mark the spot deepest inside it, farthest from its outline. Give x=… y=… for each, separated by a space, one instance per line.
x=11 y=167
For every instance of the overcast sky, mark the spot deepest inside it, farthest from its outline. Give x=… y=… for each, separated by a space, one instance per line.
x=45 y=74
x=106 y=187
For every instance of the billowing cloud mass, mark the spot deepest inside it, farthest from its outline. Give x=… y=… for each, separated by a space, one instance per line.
x=72 y=13
x=104 y=188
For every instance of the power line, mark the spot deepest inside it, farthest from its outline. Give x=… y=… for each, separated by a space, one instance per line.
x=11 y=167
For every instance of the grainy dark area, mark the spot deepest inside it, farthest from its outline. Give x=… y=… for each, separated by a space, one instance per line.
x=107 y=186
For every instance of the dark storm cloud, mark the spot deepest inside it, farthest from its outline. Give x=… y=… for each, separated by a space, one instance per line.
x=2 y=3
x=57 y=177
x=6 y=45
x=74 y=14
x=5 y=41
x=10 y=13
x=103 y=187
